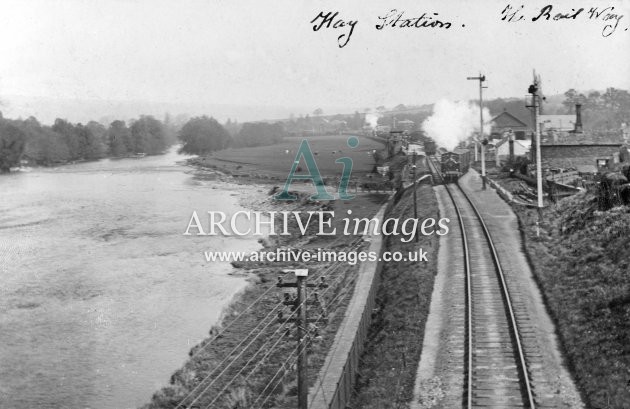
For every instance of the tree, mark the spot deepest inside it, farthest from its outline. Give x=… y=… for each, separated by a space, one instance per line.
x=119 y=139
x=98 y=130
x=66 y=130
x=46 y=147
x=90 y=146
x=602 y=111
x=318 y=112
x=232 y=127
x=260 y=134
x=202 y=135
x=148 y=136
x=80 y=141
x=12 y=141
x=572 y=97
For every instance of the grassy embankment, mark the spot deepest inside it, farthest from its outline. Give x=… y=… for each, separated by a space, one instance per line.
x=390 y=360
x=582 y=264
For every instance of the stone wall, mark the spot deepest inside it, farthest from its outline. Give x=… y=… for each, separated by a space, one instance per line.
x=335 y=382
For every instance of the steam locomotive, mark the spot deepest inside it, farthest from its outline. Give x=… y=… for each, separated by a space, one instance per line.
x=454 y=164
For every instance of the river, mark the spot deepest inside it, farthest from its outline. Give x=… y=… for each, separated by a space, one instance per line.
x=101 y=296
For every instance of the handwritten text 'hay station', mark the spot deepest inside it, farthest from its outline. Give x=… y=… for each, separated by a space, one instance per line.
x=392 y=19
x=608 y=17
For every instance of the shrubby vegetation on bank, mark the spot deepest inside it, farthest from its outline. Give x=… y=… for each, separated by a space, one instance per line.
x=581 y=262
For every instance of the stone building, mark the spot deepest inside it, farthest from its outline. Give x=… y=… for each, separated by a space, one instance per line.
x=579 y=149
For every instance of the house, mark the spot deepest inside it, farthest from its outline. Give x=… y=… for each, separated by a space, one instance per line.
x=505 y=122
x=574 y=149
x=577 y=148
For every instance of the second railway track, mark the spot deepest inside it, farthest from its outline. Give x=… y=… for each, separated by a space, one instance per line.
x=497 y=374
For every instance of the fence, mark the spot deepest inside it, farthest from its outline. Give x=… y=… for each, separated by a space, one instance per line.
x=334 y=385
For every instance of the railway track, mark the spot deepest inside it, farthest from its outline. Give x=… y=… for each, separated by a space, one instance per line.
x=497 y=374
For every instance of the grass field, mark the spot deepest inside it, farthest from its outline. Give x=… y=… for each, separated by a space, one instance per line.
x=276 y=160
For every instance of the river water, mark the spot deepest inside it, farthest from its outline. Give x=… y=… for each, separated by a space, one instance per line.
x=101 y=296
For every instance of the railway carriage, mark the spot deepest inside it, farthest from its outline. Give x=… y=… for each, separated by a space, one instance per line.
x=454 y=164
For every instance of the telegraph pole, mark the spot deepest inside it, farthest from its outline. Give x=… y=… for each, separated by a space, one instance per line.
x=298 y=305
x=302 y=359
x=481 y=79
x=415 y=195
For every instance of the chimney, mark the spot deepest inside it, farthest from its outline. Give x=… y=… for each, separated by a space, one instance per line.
x=578 y=118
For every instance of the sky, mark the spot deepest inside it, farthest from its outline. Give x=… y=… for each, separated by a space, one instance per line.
x=263 y=57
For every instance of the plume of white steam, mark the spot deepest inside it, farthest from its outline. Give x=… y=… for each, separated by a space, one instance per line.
x=372 y=119
x=454 y=122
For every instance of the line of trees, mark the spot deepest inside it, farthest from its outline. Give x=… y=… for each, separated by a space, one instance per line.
x=606 y=110
x=64 y=141
x=203 y=135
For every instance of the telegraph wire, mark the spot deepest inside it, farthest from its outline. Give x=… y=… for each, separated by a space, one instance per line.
x=329 y=269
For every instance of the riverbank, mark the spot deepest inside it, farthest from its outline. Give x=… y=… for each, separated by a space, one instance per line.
x=100 y=285
x=580 y=259
x=237 y=362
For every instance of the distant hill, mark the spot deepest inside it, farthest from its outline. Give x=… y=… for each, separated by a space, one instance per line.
x=46 y=109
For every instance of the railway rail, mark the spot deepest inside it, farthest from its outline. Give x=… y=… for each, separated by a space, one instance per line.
x=497 y=373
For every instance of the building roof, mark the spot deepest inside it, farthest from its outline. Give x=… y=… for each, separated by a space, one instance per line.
x=508 y=120
x=558 y=122
x=583 y=138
